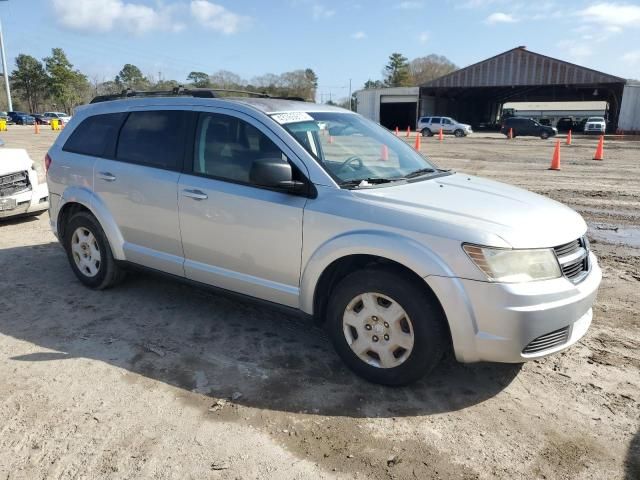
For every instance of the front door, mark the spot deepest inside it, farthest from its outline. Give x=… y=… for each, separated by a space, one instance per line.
x=236 y=235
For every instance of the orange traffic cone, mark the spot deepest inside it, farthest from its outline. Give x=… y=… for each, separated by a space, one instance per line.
x=569 y=138
x=510 y=136
x=36 y=127
x=440 y=135
x=555 y=160
x=600 y=149
x=397 y=132
x=408 y=131
x=384 y=153
x=417 y=144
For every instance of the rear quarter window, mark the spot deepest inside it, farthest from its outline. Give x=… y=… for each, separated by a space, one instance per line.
x=95 y=135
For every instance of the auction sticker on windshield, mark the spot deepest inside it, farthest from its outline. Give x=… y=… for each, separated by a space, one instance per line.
x=292 y=117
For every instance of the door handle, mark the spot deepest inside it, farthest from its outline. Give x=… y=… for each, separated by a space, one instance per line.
x=195 y=194
x=106 y=176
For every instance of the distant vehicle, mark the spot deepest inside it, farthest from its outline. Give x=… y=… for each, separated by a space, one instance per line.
x=21 y=193
x=21 y=118
x=595 y=125
x=527 y=127
x=64 y=117
x=565 y=124
x=41 y=119
x=432 y=125
x=4 y=116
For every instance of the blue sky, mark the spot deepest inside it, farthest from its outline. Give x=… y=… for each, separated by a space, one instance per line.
x=338 y=39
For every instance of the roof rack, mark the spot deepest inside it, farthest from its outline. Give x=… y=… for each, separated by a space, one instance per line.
x=177 y=91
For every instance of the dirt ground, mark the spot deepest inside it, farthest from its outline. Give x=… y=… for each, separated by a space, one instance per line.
x=155 y=379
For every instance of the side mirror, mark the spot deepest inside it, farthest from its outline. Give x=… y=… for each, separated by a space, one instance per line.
x=275 y=173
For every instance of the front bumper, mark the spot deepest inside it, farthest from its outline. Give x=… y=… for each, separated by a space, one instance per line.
x=28 y=202
x=496 y=322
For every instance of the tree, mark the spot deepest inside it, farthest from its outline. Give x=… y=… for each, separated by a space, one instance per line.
x=397 y=71
x=373 y=84
x=29 y=81
x=199 y=79
x=227 y=79
x=67 y=86
x=311 y=80
x=425 y=69
x=131 y=77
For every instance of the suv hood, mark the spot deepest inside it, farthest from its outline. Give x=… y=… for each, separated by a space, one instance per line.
x=14 y=160
x=474 y=209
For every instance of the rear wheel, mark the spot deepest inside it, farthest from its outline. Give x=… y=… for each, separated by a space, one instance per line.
x=89 y=252
x=427 y=133
x=386 y=327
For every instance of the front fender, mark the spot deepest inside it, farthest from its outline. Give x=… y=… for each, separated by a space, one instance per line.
x=88 y=199
x=405 y=251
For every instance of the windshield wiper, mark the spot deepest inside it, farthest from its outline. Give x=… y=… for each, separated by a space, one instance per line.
x=419 y=172
x=371 y=181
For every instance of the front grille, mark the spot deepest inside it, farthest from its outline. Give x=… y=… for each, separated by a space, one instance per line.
x=547 y=341
x=14 y=183
x=574 y=259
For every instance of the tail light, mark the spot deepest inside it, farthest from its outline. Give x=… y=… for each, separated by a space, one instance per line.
x=47 y=162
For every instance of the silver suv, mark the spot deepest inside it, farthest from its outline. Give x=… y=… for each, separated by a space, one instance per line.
x=430 y=126
x=398 y=259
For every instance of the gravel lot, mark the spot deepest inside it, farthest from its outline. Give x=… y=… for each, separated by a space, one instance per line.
x=155 y=379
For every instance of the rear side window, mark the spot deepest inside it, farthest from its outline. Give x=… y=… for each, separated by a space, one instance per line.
x=425 y=119
x=95 y=135
x=155 y=138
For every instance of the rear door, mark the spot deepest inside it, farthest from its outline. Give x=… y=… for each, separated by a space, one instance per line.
x=139 y=186
x=435 y=124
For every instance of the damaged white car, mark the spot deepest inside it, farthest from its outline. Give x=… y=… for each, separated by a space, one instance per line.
x=21 y=191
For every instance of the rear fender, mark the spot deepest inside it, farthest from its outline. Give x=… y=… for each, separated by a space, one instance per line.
x=89 y=200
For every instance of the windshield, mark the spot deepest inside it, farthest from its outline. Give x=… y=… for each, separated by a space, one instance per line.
x=595 y=119
x=355 y=151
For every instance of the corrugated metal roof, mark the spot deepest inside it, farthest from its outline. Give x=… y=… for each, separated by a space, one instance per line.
x=576 y=106
x=519 y=66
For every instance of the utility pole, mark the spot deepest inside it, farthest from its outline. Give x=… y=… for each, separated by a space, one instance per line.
x=4 y=69
x=350 y=95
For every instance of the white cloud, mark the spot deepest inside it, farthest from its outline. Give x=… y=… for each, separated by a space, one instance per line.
x=359 y=35
x=218 y=18
x=321 y=12
x=106 y=15
x=632 y=57
x=410 y=5
x=574 y=50
x=612 y=15
x=423 y=37
x=499 y=17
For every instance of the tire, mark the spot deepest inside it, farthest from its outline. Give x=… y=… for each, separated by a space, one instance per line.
x=421 y=319
x=458 y=133
x=427 y=132
x=544 y=135
x=83 y=233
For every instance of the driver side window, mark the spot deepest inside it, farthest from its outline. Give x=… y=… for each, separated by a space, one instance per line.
x=226 y=147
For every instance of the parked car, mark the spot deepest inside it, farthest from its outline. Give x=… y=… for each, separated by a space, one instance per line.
x=595 y=125
x=41 y=119
x=565 y=124
x=398 y=259
x=21 y=193
x=63 y=117
x=21 y=118
x=432 y=125
x=527 y=127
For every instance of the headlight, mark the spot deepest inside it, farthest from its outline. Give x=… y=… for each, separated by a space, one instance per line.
x=514 y=266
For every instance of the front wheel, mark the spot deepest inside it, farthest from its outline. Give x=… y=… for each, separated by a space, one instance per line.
x=459 y=133
x=386 y=327
x=544 y=135
x=89 y=252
